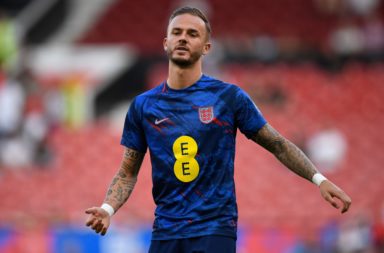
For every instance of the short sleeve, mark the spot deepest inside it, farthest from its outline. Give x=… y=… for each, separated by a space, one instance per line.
x=133 y=135
x=248 y=117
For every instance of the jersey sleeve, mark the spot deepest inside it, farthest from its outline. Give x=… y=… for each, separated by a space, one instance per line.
x=133 y=135
x=248 y=117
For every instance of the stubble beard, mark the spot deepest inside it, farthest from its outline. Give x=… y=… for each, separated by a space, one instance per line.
x=184 y=62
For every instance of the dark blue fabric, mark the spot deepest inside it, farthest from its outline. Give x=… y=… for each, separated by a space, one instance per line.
x=203 y=244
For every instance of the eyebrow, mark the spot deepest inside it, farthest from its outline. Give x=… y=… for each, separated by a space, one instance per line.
x=188 y=30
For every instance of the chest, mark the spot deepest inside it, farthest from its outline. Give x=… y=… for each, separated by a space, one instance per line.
x=187 y=114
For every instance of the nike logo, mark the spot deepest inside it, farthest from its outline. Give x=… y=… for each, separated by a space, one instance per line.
x=159 y=121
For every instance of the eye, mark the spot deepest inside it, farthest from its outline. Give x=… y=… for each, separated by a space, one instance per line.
x=194 y=34
x=176 y=31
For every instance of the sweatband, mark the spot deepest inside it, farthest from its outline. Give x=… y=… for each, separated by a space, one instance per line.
x=318 y=178
x=108 y=208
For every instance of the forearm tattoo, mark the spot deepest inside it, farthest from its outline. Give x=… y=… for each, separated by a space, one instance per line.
x=125 y=179
x=287 y=152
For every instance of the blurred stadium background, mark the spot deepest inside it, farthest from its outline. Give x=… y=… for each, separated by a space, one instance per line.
x=69 y=68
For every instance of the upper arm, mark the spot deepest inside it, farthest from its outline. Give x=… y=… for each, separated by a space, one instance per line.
x=132 y=161
x=248 y=117
x=270 y=139
x=133 y=132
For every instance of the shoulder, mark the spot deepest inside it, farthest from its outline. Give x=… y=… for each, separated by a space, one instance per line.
x=216 y=84
x=143 y=97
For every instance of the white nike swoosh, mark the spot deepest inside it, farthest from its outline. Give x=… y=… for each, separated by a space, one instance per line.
x=159 y=121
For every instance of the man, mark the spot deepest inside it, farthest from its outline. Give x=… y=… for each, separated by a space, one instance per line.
x=189 y=124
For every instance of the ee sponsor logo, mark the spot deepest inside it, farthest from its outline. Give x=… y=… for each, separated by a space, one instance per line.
x=186 y=167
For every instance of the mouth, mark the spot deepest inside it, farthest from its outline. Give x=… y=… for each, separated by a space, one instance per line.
x=181 y=48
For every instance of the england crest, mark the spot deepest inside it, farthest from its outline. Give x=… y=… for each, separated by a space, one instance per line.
x=206 y=114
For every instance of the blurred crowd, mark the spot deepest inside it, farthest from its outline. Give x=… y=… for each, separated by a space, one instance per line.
x=24 y=122
x=361 y=233
x=357 y=35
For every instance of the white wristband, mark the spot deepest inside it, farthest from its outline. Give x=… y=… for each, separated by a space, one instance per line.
x=108 y=208
x=318 y=178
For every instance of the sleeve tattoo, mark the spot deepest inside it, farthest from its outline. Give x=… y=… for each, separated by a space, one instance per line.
x=125 y=179
x=285 y=151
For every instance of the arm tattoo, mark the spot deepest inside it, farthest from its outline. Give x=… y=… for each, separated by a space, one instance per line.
x=287 y=152
x=125 y=179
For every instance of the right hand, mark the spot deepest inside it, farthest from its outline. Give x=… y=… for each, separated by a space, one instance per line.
x=98 y=219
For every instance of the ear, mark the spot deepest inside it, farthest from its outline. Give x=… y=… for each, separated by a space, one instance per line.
x=165 y=44
x=207 y=48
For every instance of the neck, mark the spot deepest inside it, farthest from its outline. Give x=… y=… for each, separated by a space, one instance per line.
x=181 y=78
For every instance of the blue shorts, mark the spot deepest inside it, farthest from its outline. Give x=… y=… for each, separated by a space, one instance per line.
x=202 y=244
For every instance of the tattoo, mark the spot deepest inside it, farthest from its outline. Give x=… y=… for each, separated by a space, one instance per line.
x=132 y=154
x=122 y=174
x=125 y=179
x=114 y=181
x=287 y=152
x=119 y=194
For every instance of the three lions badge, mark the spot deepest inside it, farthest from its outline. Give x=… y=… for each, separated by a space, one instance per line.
x=206 y=114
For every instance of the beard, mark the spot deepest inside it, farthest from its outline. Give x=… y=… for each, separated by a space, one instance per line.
x=184 y=62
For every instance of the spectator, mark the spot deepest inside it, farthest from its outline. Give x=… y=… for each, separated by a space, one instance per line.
x=327 y=148
x=347 y=39
x=356 y=236
x=329 y=236
x=362 y=7
x=379 y=231
x=35 y=131
x=12 y=98
x=16 y=151
x=8 y=42
x=330 y=7
x=373 y=32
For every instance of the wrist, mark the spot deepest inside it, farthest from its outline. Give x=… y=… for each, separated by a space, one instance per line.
x=318 y=178
x=108 y=208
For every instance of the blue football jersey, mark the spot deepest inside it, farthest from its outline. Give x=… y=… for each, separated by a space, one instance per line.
x=190 y=134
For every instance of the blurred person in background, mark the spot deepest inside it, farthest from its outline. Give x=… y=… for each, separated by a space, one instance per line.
x=378 y=231
x=330 y=7
x=362 y=8
x=8 y=42
x=373 y=32
x=327 y=148
x=12 y=100
x=189 y=124
x=356 y=235
x=347 y=39
x=24 y=125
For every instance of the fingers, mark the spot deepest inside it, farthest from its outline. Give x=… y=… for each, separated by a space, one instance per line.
x=331 y=191
x=346 y=200
x=98 y=226
x=329 y=198
x=96 y=220
x=104 y=231
x=347 y=204
x=91 y=219
x=92 y=210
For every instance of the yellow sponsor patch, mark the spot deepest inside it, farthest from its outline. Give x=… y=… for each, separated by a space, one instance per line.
x=186 y=167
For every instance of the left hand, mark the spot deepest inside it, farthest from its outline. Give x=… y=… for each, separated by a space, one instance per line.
x=329 y=191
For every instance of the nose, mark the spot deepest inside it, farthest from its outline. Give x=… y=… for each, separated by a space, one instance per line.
x=182 y=41
x=183 y=38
